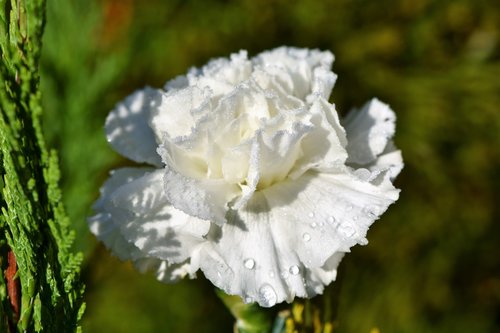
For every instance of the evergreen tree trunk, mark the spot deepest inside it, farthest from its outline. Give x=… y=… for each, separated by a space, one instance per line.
x=39 y=283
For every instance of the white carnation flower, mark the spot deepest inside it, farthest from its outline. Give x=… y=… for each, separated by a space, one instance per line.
x=253 y=178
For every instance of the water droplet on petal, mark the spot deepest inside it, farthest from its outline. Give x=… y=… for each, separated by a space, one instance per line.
x=313 y=225
x=284 y=275
x=347 y=230
x=249 y=263
x=363 y=174
x=267 y=295
x=306 y=237
x=371 y=211
x=331 y=219
x=221 y=268
x=363 y=241
x=311 y=214
x=271 y=274
x=248 y=299
x=294 y=270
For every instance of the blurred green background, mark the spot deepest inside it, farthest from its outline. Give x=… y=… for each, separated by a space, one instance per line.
x=433 y=262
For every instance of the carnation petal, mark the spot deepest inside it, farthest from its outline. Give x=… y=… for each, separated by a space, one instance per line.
x=291 y=236
x=127 y=127
x=221 y=75
x=390 y=159
x=297 y=67
x=176 y=113
x=204 y=199
x=103 y=224
x=164 y=271
x=324 y=146
x=368 y=131
x=279 y=151
x=151 y=223
x=104 y=228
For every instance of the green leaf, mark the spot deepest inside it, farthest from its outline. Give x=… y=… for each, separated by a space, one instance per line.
x=34 y=225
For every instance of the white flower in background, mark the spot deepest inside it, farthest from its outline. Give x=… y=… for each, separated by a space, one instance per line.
x=253 y=178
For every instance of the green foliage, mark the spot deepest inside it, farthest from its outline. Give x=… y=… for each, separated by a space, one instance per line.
x=123 y=300
x=33 y=225
x=76 y=78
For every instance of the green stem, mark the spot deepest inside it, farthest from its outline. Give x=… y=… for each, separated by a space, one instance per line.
x=317 y=315
x=250 y=318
